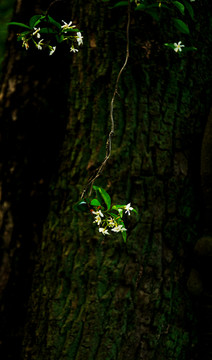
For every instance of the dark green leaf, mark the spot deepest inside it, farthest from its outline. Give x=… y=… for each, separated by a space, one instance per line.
x=145 y=6
x=48 y=31
x=81 y=206
x=191 y=48
x=70 y=30
x=180 y=6
x=53 y=22
x=141 y=7
x=35 y=20
x=105 y=196
x=153 y=13
x=120 y=3
x=189 y=8
x=95 y=202
x=181 y=26
x=59 y=38
x=123 y=233
x=115 y=216
x=19 y=24
x=23 y=34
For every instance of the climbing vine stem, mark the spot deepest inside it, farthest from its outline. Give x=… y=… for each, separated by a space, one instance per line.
x=112 y=130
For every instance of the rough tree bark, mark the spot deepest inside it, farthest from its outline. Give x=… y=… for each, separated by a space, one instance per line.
x=67 y=292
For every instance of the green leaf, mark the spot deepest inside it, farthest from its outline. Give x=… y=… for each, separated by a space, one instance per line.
x=180 y=6
x=35 y=20
x=59 y=38
x=95 y=202
x=181 y=26
x=81 y=206
x=54 y=22
x=105 y=196
x=115 y=216
x=48 y=30
x=120 y=3
x=19 y=24
x=121 y=211
x=23 y=34
x=170 y=45
x=141 y=7
x=191 y=48
x=144 y=6
x=123 y=233
x=70 y=30
x=189 y=8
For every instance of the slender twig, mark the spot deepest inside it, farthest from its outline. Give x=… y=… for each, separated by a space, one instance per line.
x=111 y=133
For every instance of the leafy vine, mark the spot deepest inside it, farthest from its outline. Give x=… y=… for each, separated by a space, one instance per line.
x=44 y=32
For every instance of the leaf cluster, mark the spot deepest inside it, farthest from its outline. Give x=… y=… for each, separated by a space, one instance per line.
x=48 y=28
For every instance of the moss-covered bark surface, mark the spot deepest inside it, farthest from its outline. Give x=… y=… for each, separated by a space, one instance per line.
x=94 y=297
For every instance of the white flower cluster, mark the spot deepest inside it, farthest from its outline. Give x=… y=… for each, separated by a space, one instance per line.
x=41 y=43
x=107 y=223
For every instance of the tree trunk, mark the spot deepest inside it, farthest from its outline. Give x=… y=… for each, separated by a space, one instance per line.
x=74 y=294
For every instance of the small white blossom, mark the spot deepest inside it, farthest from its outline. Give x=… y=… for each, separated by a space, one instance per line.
x=67 y=26
x=39 y=45
x=98 y=220
x=118 y=228
x=104 y=231
x=25 y=43
x=36 y=32
x=98 y=212
x=128 y=208
x=79 y=38
x=72 y=49
x=178 y=47
x=111 y=222
x=52 y=50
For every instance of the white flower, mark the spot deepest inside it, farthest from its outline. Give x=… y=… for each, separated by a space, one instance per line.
x=72 y=49
x=178 y=46
x=67 y=26
x=98 y=212
x=79 y=38
x=39 y=45
x=128 y=208
x=111 y=222
x=98 y=220
x=52 y=50
x=118 y=228
x=25 y=43
x=36 y=32
x=104 y=231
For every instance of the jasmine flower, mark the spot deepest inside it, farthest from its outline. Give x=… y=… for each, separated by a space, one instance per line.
x=67 y=26
x=52 y=50
x=104 y=231
x=72 y=49
x=178 y=47
x=111 y=222
x=79 y=38
x=128 y=208
x=39 y=45
x=98 y=212
x=98 y=220
x=118 y=228
x=36 y=32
